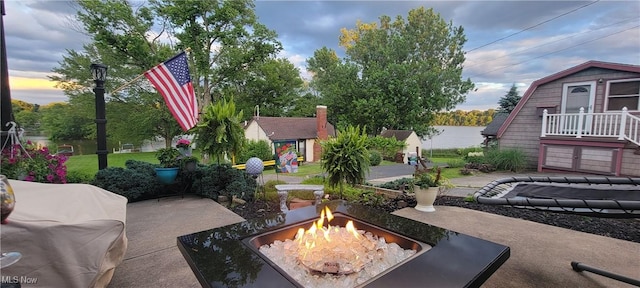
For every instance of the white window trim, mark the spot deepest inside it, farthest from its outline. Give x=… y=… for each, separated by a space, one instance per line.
x=606 y=94
x=592 y=95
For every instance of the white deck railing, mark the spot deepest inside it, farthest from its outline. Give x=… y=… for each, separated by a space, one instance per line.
x=620 y=125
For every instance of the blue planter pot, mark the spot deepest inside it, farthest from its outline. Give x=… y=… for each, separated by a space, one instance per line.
x=167 y=175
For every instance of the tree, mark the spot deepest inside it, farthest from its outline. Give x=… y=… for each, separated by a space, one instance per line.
x=396 y=74
x=227 y=45
x=225 y=38
x=63 y=122
x=120 y=42
x=26 y=115
x=304 y=105
x=346 y=158
x=272 y=86
x=509 y=101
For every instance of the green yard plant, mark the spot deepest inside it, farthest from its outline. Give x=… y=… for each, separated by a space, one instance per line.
x=346 y=158
x=507 y=159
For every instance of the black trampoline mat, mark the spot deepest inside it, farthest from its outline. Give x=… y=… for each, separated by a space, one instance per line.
x=542 y=191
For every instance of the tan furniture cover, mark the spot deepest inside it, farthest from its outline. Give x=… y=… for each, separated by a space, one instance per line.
x=70 y=235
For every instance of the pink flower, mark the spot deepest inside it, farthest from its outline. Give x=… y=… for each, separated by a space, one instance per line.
x=183 y=143
x=50 y=178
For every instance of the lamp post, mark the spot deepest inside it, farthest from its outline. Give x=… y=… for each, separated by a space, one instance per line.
x=99 y=73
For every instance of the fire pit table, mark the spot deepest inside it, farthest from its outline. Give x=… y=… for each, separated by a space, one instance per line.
x=229 y=256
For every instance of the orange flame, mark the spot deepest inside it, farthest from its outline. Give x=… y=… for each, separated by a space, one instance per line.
x=309 y=236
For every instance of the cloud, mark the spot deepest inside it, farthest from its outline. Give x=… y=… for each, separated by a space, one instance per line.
x=38 y=33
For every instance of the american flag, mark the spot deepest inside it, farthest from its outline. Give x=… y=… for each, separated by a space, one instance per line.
x=171 y=78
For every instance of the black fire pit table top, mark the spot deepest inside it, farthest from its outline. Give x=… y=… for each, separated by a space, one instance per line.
x=218 y=257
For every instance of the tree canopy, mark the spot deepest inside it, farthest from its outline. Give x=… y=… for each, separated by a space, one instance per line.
x=509 y=101
x=230 y=54
x=396 y=74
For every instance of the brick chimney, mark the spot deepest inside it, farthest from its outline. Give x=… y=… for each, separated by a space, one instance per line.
x=321 y=127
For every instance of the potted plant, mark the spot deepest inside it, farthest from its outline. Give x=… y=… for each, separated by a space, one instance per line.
x=426 y=188
x=184 y=147
x=188 y=163
x=169 y=164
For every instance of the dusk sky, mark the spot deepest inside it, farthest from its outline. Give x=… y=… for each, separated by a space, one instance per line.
x=507 y=41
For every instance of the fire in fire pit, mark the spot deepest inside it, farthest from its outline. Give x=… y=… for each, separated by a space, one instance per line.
x=338 y=250
x=336 y=256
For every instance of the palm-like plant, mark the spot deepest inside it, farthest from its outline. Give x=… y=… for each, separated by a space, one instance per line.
x=220 y=131
x=346 y=158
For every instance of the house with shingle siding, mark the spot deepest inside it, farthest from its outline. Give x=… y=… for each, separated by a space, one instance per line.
x=583 y=119
x=304 y=131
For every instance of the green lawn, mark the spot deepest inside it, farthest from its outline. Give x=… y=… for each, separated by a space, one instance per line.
x=88 y=164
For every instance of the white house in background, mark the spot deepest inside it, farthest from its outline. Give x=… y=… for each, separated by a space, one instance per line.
x=304 y=131
x=409 y=137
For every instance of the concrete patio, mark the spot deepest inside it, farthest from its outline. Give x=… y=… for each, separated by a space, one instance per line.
x=540 y=254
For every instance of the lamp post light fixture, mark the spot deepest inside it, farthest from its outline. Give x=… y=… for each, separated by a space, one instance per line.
x=99 y=73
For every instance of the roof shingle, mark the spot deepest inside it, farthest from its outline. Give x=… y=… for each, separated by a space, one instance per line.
x=290 y=128
x=400 y=135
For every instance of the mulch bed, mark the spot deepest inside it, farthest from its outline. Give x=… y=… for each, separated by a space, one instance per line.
x=624 y=229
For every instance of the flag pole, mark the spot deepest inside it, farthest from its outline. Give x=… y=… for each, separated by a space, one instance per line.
x=127 y=84
x=187 y=50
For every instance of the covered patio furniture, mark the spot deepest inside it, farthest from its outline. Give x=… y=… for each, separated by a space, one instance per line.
x=69 y=235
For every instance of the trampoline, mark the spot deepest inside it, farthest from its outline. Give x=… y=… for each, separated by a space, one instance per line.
x=617 y=197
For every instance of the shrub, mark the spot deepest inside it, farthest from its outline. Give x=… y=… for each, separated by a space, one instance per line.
x=143 y=167
x=224 y=180
x=398 y=184
x=386 y=146
x=375 y=157
x=251 y=148
x=349 y=193
x=371 y=198
x=474 y=157
x=507 y=159
x=134 y=184
x=78 y=177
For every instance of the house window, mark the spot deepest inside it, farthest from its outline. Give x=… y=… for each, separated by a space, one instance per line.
x=623 y=93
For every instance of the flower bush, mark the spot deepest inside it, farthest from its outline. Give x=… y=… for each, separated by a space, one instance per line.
x=33 y=164
x=183 y=143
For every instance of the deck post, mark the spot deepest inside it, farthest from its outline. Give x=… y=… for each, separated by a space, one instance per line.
x=580 y=122
x=543 y=133
x=623 y=123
